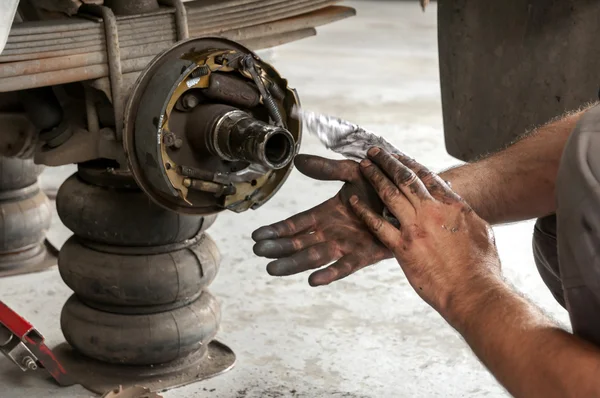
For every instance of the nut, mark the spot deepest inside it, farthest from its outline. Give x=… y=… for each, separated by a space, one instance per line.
x=189 y=101
x=29 y=363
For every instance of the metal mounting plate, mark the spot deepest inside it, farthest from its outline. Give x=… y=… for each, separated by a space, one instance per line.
x=45 y=256
x=100 y=377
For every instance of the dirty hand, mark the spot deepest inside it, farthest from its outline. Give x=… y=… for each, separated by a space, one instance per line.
x=327 y=233
x=443 y=246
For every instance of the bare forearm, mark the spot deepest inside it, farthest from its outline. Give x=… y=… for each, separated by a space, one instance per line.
x=517 y=183
x=523 y=348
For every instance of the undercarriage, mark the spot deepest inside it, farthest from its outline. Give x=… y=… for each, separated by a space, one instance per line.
x=171 y=118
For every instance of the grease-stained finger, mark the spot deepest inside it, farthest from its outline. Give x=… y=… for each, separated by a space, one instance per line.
x=345 y=266
x=326 y=169
x=383 y=230
x=277 y=248
x=437 y=187
x=402 y=176
x=301 y=222
x=395 y=200
x=314 y=257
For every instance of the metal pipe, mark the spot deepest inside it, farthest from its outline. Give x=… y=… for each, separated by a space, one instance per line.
x=91 y=111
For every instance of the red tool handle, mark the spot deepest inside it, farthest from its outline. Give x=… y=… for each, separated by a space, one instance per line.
x=14 y=322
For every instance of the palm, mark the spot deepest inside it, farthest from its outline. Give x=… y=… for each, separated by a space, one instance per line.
x=329 y=233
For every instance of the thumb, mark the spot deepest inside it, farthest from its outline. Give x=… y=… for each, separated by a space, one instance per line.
x=327 y=169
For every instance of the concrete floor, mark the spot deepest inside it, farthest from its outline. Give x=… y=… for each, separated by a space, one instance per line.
x=369 y=335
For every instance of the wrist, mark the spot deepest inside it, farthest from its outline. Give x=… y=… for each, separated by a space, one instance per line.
x=455 y=178
x=474 y=298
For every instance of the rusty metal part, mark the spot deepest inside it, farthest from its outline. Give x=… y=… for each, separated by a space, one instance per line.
x=276 y=91
x=233 y=148
x=57 y=136
x=250 y=67
x=81 y=147
x=265 y=12
x=42 y=108
x=183 y=32
x=99 y=377
x=233 y=90
x=89 y=61
x=93 y=124
x=114 y=52
x=68 y=7
x=217 y=20
x=195 y=173
x=208 y=186
x=189 y=101
x=236 y=136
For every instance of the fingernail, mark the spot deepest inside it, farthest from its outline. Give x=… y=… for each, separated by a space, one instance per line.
x=373 y=151
x=353 y=200
x=365 y=163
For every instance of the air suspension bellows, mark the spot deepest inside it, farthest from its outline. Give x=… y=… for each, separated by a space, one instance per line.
x=25 y=218
x=140 y=276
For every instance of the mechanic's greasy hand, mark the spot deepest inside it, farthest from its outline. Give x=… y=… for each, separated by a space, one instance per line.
x=442 y=245
x=330 y=232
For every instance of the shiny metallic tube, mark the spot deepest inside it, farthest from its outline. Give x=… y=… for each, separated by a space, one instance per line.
x=238 y=136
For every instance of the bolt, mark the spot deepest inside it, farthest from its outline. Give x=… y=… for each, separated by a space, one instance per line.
x=172 y=141
x=189 y=101
x=169 y=139
x=29 y=363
